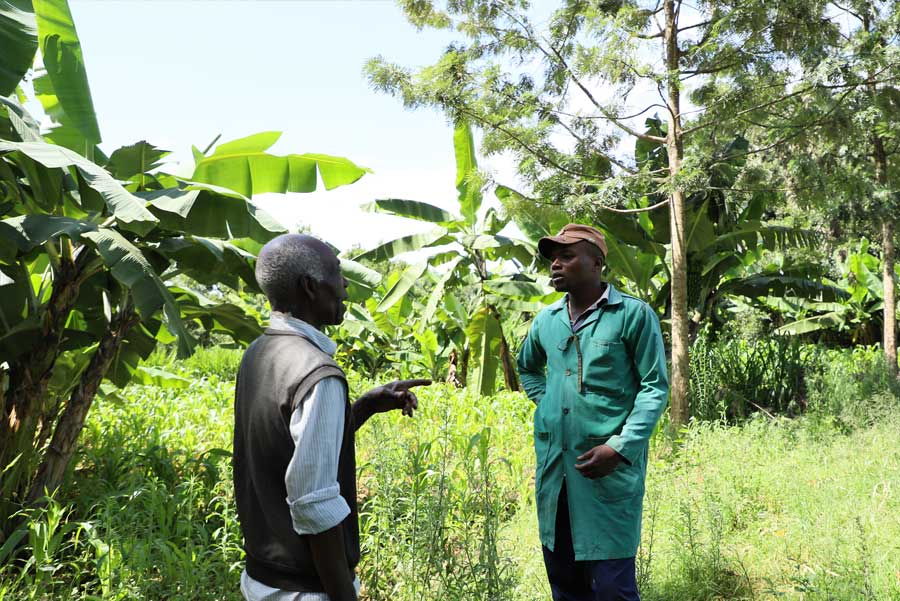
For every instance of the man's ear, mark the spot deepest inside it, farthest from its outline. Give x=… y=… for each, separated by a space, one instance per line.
x=306 y=287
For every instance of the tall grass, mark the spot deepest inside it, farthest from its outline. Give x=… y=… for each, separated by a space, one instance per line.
x=733 y=378
x=804 y=509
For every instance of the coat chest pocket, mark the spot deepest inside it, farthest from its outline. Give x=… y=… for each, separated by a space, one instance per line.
x=602 y=347
x=604 y=360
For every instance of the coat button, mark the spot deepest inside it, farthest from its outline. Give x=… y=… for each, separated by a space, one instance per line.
x=568 y=372
x=566 y=410
x=565 y=448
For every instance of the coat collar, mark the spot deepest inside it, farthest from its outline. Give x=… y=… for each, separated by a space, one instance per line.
x=560 y=307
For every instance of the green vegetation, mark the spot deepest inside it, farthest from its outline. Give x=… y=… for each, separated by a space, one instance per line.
x=91 y=249
x=772 y=508
x=760 y=224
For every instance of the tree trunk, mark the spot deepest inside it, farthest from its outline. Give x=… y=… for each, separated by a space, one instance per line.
x=679 y=411
x=464 y=364
x=71 y=422
x=453 y=369
x=510 y=375
x=507 y=363
x=890 y=298
x=879 y=156
x=29 y=375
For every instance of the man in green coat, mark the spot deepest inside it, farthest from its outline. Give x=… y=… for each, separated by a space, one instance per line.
x=595 y=366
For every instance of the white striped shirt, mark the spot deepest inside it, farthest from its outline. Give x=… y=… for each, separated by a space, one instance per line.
x=313 y=493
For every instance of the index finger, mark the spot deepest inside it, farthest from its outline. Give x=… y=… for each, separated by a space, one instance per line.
x=413 y=382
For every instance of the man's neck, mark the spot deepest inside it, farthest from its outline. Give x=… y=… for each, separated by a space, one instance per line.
x=302 y=315
x=581 y=299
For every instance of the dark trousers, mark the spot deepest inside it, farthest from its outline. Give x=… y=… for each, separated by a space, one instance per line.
x=570 y=580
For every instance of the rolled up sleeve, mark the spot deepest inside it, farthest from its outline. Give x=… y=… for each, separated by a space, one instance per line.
x=317 y=428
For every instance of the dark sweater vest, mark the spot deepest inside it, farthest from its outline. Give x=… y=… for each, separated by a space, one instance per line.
x=277 y=369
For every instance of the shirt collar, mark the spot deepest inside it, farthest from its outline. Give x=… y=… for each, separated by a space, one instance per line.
x=596 y=305
x=580 y=318
x=286 y=322
x=610 y=295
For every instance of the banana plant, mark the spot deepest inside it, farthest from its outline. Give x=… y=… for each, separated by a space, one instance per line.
x=380 y=343
x=853 y=319
x=466 y=279
x=92 y=250
x=728 y=241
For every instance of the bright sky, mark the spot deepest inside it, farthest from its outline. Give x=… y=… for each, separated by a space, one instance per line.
x=178 y=73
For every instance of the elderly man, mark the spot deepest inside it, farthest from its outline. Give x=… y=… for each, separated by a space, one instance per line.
x=294 y=464
x=595 y=365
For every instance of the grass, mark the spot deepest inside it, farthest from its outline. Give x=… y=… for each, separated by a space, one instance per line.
x=804 y=509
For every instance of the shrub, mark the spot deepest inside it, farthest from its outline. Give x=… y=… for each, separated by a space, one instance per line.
x=731 y=379
x=852 y=386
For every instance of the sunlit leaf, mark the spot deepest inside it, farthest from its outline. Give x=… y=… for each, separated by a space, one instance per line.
x=406 y=281
x=62 y=56
x=244 y=166
x=391 y=249
x=413 y=209
x=466 y=168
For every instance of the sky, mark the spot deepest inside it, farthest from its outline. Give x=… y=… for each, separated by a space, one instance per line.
x=179 y=72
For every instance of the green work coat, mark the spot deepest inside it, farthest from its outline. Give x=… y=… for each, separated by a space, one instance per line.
x=605 y=383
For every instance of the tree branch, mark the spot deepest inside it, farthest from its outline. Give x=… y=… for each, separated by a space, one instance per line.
x=532 y=38
x=630 y=211
x=848 y=11
x=779 y=100
x=599 y=107
x=695 y=25
x=484 y=121
x=608 y=157
x=565 y=126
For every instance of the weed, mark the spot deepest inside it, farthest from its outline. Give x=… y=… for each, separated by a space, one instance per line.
x=802 y=509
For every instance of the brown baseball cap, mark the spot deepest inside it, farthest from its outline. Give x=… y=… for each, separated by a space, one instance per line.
x=570 y=234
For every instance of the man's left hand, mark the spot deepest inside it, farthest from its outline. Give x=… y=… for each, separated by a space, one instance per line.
x=396 y=395
x=598 y=462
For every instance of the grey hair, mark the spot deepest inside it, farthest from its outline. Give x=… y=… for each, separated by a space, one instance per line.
x=283 y=261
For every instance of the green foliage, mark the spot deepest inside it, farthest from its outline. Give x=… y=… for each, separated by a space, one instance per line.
x=435 y=494
x=733 y=378
x=853 y=318
x=244 y=166
x=852 y=387
x=90 y=249
x=768 y=508
x=478 y=306
x=18 y=36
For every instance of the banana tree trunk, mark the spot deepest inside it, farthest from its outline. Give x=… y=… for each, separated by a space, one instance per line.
x=453 y=369
x=71 y=422
x=464 y=364
x=679 y=410
x=26 y=403
x=510 y=375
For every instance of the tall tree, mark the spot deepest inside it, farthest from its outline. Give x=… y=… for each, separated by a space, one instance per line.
x=564 y=98
x=850 y=165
